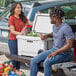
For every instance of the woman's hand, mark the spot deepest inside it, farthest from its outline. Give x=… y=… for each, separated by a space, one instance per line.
x=22 y=31
x=30 y=23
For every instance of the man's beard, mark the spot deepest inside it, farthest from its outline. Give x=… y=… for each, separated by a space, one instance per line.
x=53 y=22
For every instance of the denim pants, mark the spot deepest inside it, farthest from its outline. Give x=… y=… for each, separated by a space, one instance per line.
x=14 y=51
x=47 y=62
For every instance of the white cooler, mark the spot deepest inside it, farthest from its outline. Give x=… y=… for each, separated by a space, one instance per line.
x=31 y=46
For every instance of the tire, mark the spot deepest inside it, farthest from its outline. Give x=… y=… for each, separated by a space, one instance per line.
x=40 y=51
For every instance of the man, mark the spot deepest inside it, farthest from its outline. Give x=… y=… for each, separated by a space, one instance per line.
x=62 y=43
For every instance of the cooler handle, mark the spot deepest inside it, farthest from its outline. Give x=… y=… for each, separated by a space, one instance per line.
x=30 y=41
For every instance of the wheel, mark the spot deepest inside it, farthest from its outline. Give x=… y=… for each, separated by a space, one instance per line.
x=40 y=51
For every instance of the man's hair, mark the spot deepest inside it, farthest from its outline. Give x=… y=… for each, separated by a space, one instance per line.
x=57 y=12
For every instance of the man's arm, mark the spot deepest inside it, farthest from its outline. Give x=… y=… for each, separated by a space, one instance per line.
x=46 y=36
x=50 y=35
x=67 y=46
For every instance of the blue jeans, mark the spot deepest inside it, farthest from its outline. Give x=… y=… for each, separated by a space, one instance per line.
x=14 y=51
x=47 y=62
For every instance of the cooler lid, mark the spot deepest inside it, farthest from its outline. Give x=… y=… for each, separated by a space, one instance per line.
x=28 y=38
x=42 y=24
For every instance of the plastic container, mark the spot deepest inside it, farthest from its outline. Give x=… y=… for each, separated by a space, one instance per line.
x=31 y=45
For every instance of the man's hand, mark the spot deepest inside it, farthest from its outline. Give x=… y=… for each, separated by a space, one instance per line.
x=52 y=55
x=44 y=37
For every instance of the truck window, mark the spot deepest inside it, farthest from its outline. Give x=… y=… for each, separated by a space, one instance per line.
x=48 y=10
x=70 y=11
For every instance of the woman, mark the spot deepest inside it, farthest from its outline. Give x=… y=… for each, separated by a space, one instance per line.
x=16 y=22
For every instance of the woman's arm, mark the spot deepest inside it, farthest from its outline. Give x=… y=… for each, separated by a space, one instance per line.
x=29 y=23
x=12 y=29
